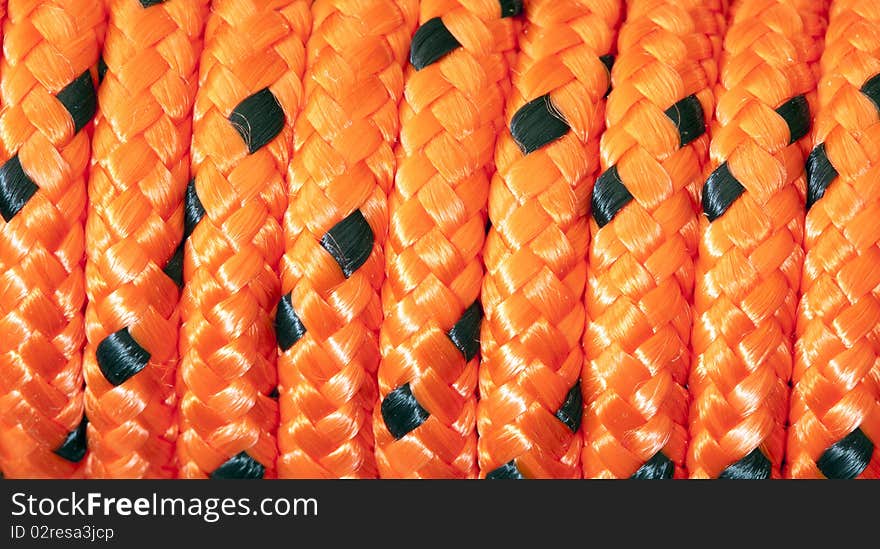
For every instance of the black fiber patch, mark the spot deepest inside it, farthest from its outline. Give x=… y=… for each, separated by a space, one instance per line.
x=120 y=357
x=608 y=61
x=610 y=195
x=687 y=115
x=510 y=8
x=572 y=409
x=240 y=466
x=80 y=100
x=507 y=471
x=73 y=449
x=148 y=3
x=402 y=412
x=465 y=335
x=657 y=468
x=796 y=113
x=258 y=119
x=16 y=188
x=871 y=89
x=848 y=457
x=274 y=394
x=820 y=174
x=536 y=124
x=174 y=267
x=288 y=327
x=752 y=467
x=720 y=191
x=430 y=43
x=350 y=242
x=193 y=209
x=102 y=69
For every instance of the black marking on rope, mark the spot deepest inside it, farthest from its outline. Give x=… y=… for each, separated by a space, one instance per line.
x=174 y=267
x=350 y=242
x=572 y=409
x=258 y=119
x=848 y=457
x=507 y=471
x=796 y=113
x=871 y=89
x=73 y=449
x=536 y=124
x=430 y=43
x=240 y=466
x=511 y=8
x=610 y=195
x=465 y=335
x=656 y=468
x=608 y=61
x=193 y=209
x=720 y=191
x=752 y=467
x=16 y=188
x=820 y=174
x=120 y=357
x=402 y=412
x=148 y=3
x=288 y=327
x=102 y=69
x=80 y=100
x=274 y=394
x=687 y=115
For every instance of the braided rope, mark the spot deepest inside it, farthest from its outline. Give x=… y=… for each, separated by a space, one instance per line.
x=750 y=254
x=47 y=77
x=140 y=170
x=644 y=227
x=329 y=316
x=452 y=111
x=249 y=92
x=835 y=403
x=530 y=410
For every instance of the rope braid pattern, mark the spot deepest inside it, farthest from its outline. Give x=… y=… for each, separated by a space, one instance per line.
x=47 y=78
x=140 y=170
x=328 y=319
x=452 y=111
x=750 y=255
x=249 y=91
x=835 y=404
x=644 y=228
x=530 y=410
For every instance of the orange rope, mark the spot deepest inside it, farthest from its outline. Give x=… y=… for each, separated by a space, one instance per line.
x=835 y=404
x=47 y=79
x=249 y=91
x=140 y=170
x=328 y=320
x=750 y=254
x=452 y=110
x=644 y=228
x=530 y=410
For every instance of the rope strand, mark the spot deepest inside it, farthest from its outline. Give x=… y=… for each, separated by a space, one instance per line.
x=140 y=169
x=47 y=78
x=329 y=316
x=835 y=403
x=249 y=92
x=750 y=254
x=530 y=409
x=452 y=111
x=641 y=273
